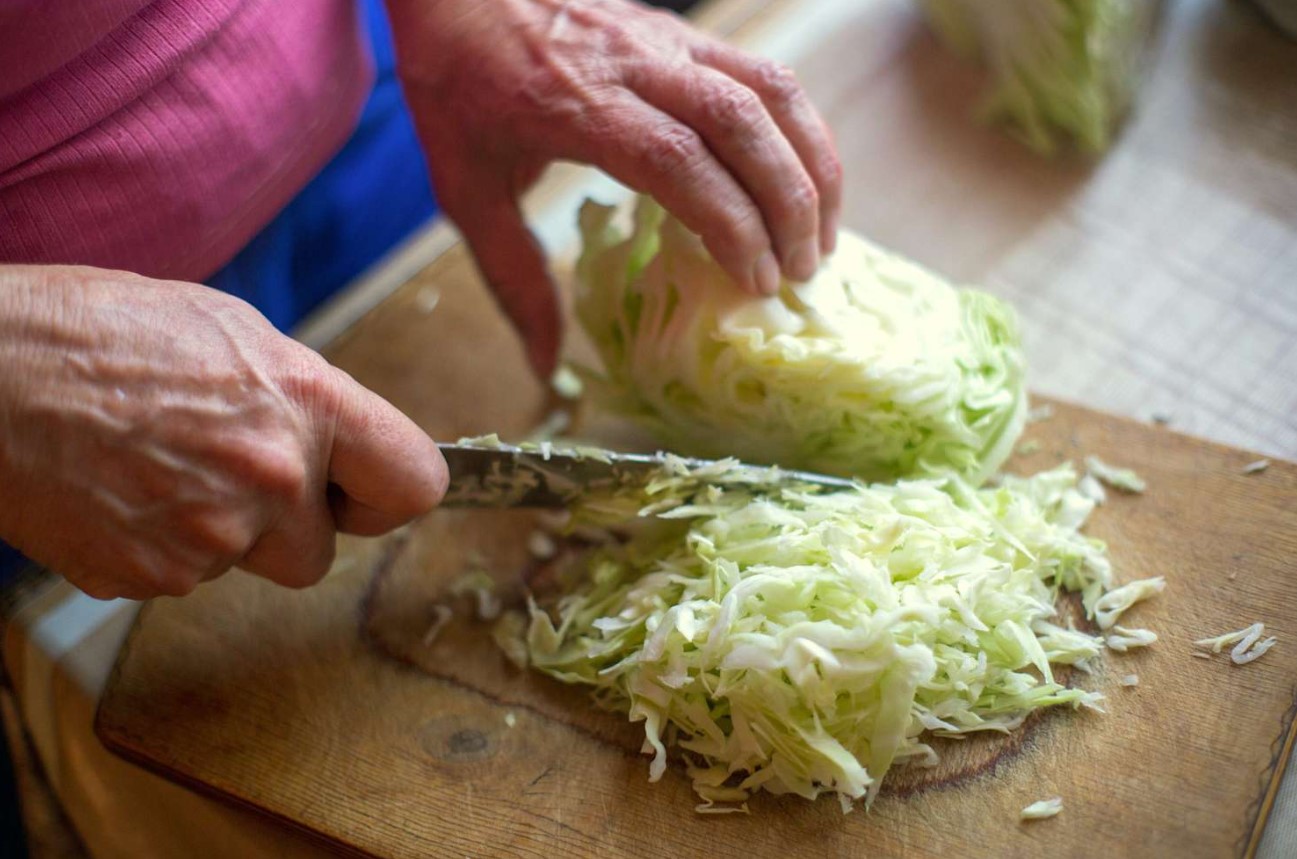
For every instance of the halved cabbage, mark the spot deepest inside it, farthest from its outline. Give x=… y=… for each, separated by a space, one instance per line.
x=876 y=368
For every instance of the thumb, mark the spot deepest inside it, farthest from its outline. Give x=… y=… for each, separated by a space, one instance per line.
x=513 y=265
x=385 y=471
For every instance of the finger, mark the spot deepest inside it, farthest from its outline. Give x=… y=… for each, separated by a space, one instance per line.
x=738 y=129
x=357 y=517
x=513 y=266
x=650 y=151
x=99 y=588
x=801 y=123
x=389 y=471
x=298 y=549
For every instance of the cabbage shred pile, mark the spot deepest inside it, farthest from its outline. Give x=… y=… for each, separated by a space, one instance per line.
x=804 y=643
x=876 y=368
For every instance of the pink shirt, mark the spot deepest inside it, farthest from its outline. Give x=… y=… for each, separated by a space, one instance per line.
x=158 y=136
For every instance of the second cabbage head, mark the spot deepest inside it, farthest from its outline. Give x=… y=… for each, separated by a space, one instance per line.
x=876 y=368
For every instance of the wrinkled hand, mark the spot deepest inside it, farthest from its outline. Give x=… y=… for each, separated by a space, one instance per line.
x=727 y=142
x=154 y=434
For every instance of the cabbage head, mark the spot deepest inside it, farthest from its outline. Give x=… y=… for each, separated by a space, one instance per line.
x=1060 y=69
x=876 y=368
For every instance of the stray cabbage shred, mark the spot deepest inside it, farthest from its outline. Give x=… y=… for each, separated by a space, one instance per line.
x=1043 y=809
x=876 y=368
x=801 y=642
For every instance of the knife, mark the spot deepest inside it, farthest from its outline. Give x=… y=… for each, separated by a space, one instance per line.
x=544 y=475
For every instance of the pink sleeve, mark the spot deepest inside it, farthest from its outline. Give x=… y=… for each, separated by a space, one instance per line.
x=165 y=143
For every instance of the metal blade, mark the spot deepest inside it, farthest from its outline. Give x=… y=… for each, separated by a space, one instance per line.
x=510 y=476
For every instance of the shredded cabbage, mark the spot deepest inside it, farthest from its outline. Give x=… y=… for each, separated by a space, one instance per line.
x=1059 y=68
x=1124 y=479
x=876 y=368
x=1112 y=605
x=1091 y=488
x=1042 y=809
x=478 y=583
x=798 y=642
x=1248 y=645
x=1256 y=467
x=441 y=616
x=1122 y=639
x=1042 y=412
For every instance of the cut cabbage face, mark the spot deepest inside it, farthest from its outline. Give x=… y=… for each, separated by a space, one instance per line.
x=805 y=643
x=1060 y=69
x=876 y=368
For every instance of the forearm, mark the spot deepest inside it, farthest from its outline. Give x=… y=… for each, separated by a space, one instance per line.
x=35 y=330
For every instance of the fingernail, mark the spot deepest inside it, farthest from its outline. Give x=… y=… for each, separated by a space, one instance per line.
x=766 y=274
x=804 y=260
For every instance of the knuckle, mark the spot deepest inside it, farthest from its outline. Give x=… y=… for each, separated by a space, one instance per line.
x=282 y=474
x=307 y=379
x=176 y=585
x=673 y=150
x=734 y=109
x=294 y=564
x=307 y=573
x=778 y=82
x=212 y=537
x=802 y=197
x=539 y=87
x=320 y=564
x=269 y=471
x=829 y=170
x=619 y=37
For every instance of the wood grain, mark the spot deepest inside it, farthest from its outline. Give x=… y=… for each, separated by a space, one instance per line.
x=325 y=709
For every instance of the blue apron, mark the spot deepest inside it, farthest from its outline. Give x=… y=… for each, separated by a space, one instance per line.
x=373 y=194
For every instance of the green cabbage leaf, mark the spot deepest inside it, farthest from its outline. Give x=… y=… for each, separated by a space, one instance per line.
x=876 y=368
x=1060 y=69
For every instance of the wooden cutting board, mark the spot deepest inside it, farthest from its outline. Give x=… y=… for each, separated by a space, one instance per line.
x=325 y=709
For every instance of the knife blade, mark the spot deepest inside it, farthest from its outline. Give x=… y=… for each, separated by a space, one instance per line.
x=503 y=475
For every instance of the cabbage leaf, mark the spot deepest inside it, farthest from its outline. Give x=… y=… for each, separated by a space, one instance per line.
x=876 y=368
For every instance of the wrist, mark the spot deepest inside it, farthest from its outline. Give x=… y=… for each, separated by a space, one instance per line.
x=20 y=313
x=432 y=36
x=25 y=309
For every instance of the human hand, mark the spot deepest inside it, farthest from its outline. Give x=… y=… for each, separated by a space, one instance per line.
x=727 y=142
x=153 y=434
